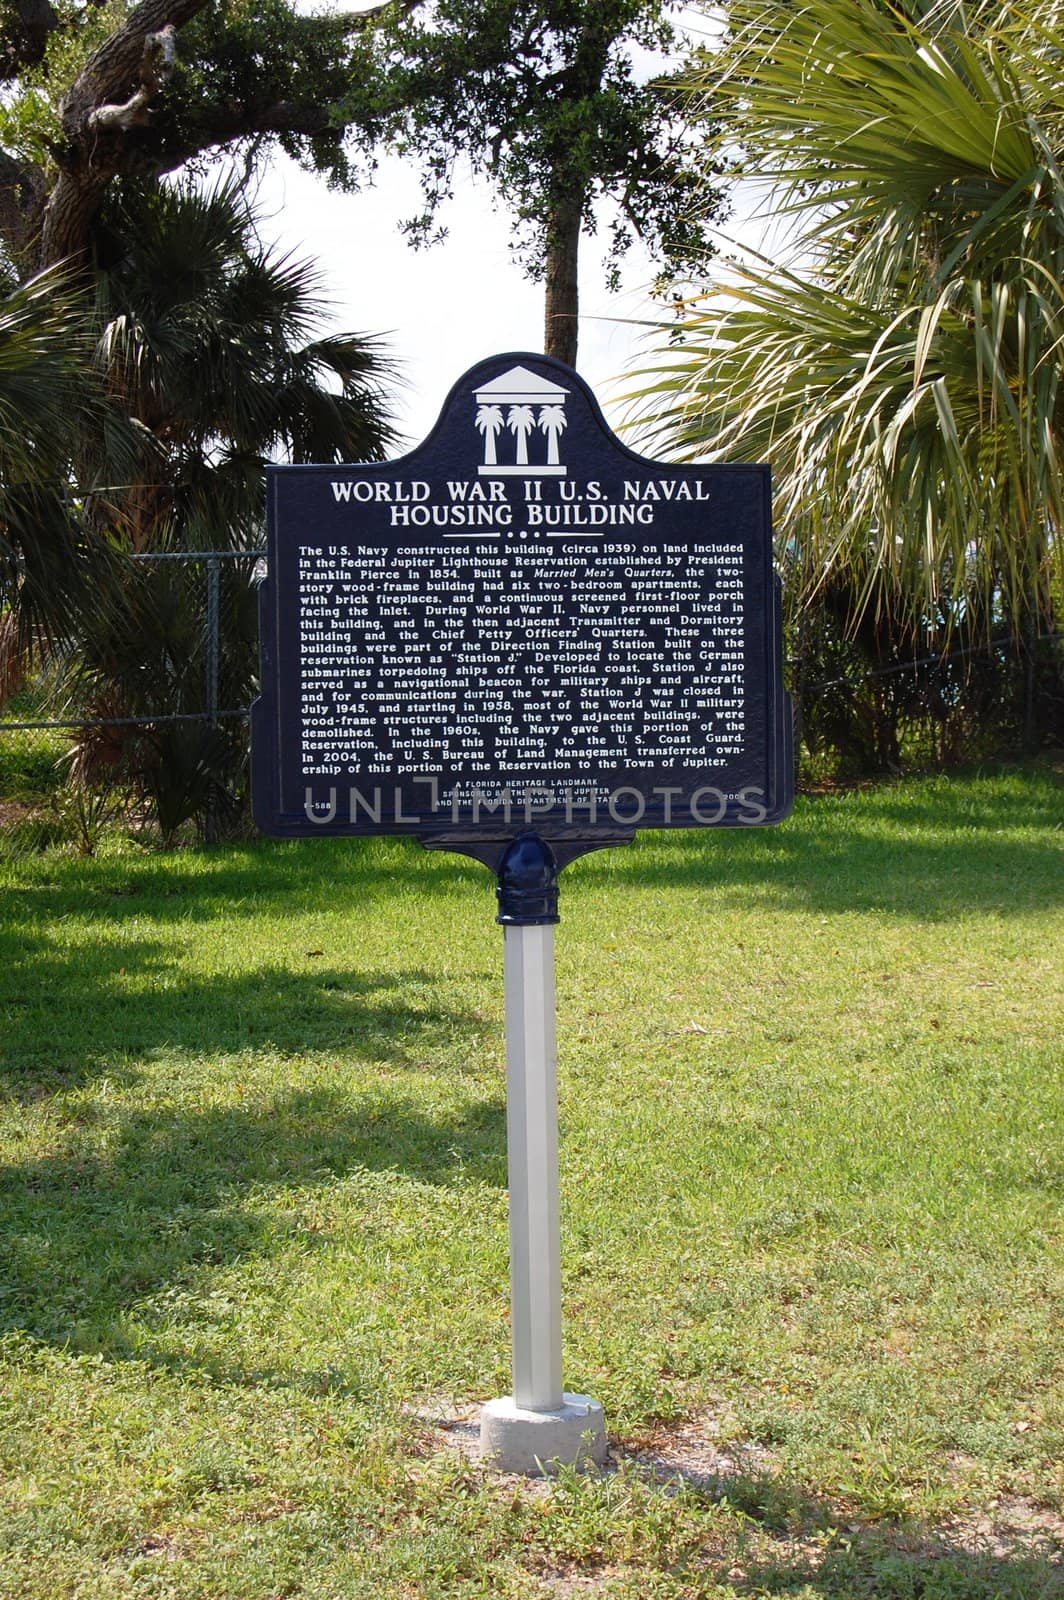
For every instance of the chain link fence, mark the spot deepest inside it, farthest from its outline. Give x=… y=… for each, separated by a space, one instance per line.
x=147 y=717
x=149 y=710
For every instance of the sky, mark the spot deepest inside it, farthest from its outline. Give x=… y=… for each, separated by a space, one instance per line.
x=443 y=309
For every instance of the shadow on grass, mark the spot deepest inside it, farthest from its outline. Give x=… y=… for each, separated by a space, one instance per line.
x=870 y=1564
x=163 y=1193
x=923 y=849
x=76 y=1012
x=869 y=854
x=799 y=1543
x=243 y=880
x=901 y=1562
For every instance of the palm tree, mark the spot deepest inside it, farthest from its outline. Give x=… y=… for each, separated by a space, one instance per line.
x=489 y=421
x=46 y=395
x=208 y=342
x=50 y=557
x=904 y=376
x=552 y=422
x=521 y=420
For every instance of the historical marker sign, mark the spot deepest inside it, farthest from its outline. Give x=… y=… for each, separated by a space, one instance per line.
x=522 y=624
x=522 y=641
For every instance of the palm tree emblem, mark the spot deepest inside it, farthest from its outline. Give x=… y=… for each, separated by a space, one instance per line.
x=552 y=422
x=489 y=421
x=528 y=405
x=521 y=420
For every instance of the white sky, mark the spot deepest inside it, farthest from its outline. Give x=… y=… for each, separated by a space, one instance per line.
x=444 y=308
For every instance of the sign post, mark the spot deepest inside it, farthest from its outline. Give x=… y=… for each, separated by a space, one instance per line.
x=539 y=1422
x=521 y=642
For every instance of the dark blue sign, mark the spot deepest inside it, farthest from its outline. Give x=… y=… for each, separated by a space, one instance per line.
x=520 y=625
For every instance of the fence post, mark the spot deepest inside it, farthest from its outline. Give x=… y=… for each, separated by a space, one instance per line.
x=210 y=819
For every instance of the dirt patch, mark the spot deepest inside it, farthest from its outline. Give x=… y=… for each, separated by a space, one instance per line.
x=12 y=811
x=694 y=1452
x=166 y=1546
x=1008 y=1527
x=699 y=1452
x=448 y=1424
x=567 y=1583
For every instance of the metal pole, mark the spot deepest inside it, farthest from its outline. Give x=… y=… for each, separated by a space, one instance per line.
x=532 y=1151
x=213 y=622
x=539 y=1426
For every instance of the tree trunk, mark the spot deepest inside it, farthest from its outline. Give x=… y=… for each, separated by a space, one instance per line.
x=1030 y=733
x=110 y=99
x=66 y=224
x=562 y=288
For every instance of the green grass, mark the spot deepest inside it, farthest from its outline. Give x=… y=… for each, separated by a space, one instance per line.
x=33 y=802
x=30 y=766
x=254 y=1203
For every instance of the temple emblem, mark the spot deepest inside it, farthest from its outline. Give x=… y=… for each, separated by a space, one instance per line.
x=521 y=417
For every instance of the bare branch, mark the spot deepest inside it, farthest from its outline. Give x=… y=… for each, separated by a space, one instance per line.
x=157 y=68
x=217 y=125
x=118 y=64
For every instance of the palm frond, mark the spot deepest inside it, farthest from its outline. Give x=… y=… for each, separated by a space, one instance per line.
x=905 y=380
x=212 y=345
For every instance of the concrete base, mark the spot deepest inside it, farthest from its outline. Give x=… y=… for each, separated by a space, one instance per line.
x=537 y=1442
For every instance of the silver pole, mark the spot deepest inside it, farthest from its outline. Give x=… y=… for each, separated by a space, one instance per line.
x=532 y=1152
x=539 y=1426
x=210 y=820
x=213 y=631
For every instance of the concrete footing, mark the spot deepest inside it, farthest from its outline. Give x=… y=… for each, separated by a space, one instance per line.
x=535 y=1442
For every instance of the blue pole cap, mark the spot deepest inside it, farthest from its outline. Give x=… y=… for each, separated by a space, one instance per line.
x=528 y=883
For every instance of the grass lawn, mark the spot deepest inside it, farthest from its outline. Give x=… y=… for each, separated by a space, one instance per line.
x=254 y=1214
